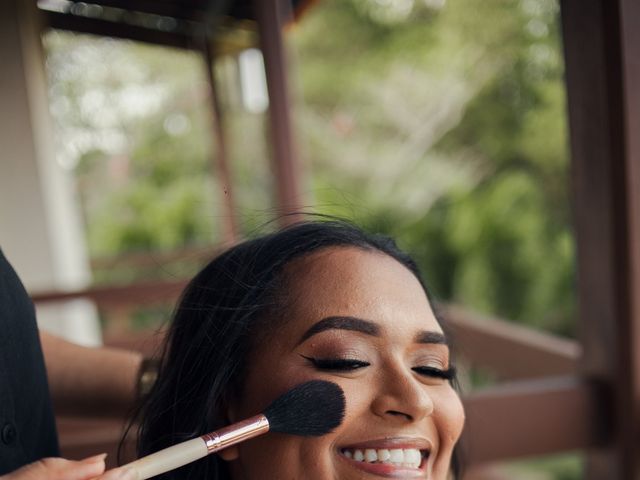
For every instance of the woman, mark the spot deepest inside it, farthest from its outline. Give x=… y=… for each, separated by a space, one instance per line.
x=319 y=300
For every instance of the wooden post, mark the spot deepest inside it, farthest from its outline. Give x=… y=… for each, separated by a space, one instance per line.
x=602 y=49
x=221 y=161
x=285 y=161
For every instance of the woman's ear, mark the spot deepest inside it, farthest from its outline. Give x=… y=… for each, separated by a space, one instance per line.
x=229 y=454
x=233 y=452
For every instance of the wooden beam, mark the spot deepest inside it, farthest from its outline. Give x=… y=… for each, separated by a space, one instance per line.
x=286 y=165
x=508 y=350
x=530 y=418
x=630 y=20
x=178 y=10
x=602 y=50
x=145 y=259
x=220 y=162
x=156 y=292
x=96 y=26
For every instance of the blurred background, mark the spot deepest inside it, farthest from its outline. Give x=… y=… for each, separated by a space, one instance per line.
x=440 y=122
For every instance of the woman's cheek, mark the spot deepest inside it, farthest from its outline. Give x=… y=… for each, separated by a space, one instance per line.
x=449 y=419
x=358 y=397
x=451 y=413
x=274 y=385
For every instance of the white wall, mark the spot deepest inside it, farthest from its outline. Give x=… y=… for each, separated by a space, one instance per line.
x=40 y=229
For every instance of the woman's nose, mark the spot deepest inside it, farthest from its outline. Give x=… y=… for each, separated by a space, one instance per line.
x=401 y=396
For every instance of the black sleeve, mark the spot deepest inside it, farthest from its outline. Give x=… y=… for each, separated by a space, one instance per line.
x=27 y=427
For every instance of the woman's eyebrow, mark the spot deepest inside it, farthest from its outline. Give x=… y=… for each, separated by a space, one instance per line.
x=342 y=323
x=429 y=336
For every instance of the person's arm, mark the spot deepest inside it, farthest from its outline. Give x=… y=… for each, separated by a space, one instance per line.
x=90 y=381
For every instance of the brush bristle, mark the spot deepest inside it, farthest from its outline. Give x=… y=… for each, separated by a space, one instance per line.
x=311 y=409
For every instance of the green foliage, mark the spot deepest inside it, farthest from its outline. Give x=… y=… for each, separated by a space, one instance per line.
x=492 y=248
x=140 y=139
x=448 y=124
x=566 y=466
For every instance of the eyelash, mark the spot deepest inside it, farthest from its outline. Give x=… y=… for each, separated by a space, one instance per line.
x=337 y=364
x=340 y=364
x=448 y=374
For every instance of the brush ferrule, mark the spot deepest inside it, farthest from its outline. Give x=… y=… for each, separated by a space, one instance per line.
x=236 y=433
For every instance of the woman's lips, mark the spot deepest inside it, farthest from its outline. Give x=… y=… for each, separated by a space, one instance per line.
x=397 y=457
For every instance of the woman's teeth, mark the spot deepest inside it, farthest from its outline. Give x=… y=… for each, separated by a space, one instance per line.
x=403 y=457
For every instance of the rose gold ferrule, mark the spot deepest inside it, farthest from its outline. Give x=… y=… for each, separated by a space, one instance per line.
x=236 y=433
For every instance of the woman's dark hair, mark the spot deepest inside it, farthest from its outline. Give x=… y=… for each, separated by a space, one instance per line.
x=214 y=322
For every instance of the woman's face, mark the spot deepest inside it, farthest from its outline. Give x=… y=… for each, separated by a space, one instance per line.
x=359 y=319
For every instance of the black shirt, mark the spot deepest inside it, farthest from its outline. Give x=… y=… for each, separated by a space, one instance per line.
x=27 y=428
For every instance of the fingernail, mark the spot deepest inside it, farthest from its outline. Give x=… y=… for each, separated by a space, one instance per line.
x=96 y=458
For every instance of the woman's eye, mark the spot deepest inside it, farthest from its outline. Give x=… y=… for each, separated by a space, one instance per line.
x=448 y=374
x=336 y=364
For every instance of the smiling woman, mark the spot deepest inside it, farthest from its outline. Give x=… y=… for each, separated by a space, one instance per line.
x=319 y=300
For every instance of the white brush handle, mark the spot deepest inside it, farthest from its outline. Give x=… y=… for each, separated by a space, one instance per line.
x=196 y=448
x=169 y=458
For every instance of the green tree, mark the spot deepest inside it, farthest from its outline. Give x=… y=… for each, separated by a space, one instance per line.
x=443 y=124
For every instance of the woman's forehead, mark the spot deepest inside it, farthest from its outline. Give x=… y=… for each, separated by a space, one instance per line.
x=347 y=263
x=348 y=281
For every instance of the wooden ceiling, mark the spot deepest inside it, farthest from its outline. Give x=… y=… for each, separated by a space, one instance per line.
x=228 y=24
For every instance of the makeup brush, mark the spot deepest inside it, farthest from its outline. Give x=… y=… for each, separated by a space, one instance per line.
x=310 y=409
